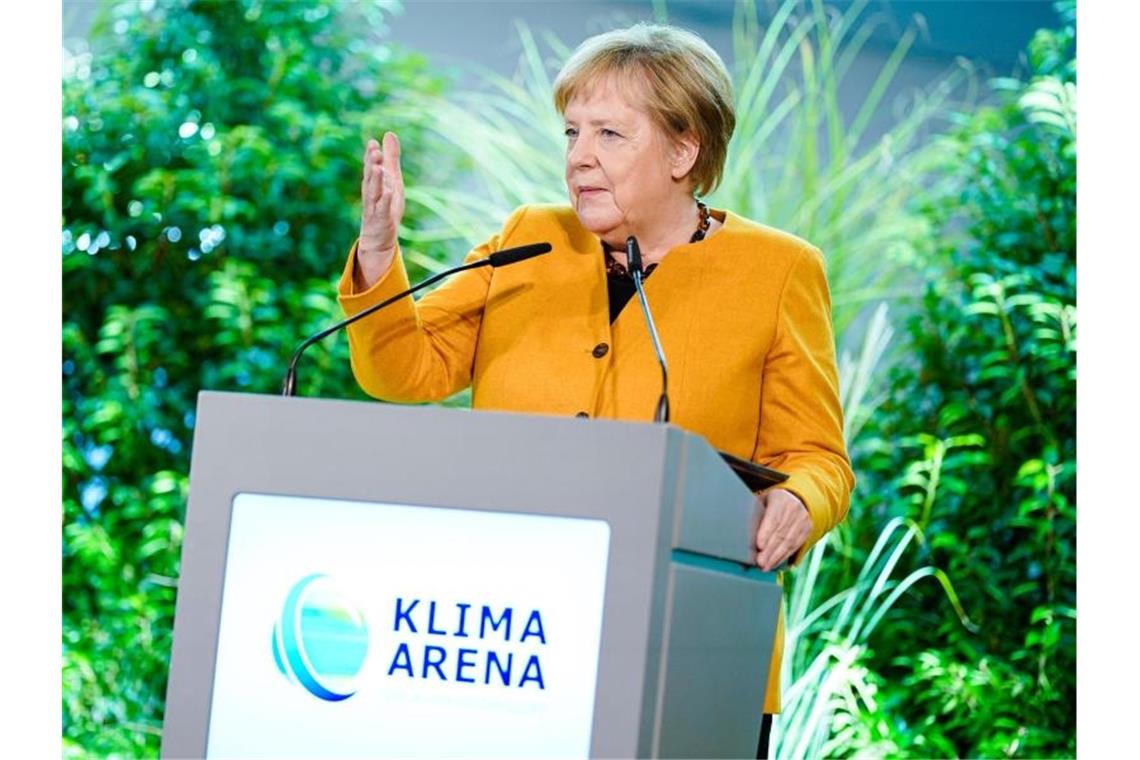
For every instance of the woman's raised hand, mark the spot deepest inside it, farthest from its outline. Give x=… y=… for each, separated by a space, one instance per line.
x=382 y=193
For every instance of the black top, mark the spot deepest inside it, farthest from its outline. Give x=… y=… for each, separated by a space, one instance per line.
x=621 y=289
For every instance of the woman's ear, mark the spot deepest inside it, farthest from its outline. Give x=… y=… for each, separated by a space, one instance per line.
x=686 y=148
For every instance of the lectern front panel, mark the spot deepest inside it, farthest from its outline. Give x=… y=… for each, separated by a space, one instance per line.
x=356 y=628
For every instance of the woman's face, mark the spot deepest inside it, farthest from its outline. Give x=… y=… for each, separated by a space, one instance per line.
x=622 y=171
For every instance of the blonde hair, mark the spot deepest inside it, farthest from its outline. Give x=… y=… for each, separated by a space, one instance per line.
x=685 y=87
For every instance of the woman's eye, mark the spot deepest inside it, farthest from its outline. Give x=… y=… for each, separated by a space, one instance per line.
x=571 y=132
x=609 y=133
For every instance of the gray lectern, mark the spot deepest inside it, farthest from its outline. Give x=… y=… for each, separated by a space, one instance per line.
x=373 y=580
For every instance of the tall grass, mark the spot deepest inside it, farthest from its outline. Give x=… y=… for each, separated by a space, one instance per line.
x=826 y=691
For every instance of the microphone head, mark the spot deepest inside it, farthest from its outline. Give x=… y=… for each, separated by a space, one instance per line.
x=632 y=255
x=515 y=255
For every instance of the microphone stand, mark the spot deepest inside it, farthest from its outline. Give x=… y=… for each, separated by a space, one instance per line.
x=633 y=258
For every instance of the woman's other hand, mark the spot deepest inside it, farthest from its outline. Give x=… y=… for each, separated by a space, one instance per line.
x=784 y=527
x=382 y=193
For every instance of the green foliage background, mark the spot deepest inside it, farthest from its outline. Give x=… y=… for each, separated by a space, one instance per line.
x=211 y=167
x=211 y=160
x=977 y=440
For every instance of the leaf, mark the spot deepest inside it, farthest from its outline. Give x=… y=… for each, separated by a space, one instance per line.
x=982 y=307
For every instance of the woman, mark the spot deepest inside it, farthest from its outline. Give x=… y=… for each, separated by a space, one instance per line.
x=743 y=310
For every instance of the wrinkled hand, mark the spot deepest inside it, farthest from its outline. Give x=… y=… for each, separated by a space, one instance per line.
x=382 y=193
x=784 y=527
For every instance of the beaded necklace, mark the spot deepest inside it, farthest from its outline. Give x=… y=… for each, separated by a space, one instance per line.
x=614 y=269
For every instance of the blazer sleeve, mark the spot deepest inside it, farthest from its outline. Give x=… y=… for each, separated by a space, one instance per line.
x=418 y=351
x=801 y=417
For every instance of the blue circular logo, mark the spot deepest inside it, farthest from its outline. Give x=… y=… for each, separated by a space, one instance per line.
x=321 y=639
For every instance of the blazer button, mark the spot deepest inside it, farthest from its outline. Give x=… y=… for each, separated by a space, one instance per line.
x=582 y=414
x=601 y=350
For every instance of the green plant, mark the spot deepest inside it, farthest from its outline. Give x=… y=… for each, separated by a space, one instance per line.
x=991 y=365
x=832 y=695
x=829 y=690
x=210 y=173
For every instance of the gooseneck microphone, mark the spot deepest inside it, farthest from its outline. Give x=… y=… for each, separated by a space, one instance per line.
x=496 y=259
x=633 y=259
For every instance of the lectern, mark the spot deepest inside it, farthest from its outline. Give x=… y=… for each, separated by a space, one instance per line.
x=361 y=579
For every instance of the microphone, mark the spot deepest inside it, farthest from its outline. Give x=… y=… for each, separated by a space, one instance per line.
x=496 y=259
x=633 y=258
x=515 y=255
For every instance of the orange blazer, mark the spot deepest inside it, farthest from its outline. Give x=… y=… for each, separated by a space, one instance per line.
x=744 y=317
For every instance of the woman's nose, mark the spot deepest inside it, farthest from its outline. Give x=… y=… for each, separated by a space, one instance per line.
x=580 y=153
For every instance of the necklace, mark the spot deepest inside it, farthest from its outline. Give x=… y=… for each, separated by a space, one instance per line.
x=614 y=269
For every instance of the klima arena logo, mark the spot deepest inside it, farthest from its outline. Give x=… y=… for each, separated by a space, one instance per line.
x=321 y=639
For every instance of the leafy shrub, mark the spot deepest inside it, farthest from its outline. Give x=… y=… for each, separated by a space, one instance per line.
x=977 y=439
x=211 y=164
